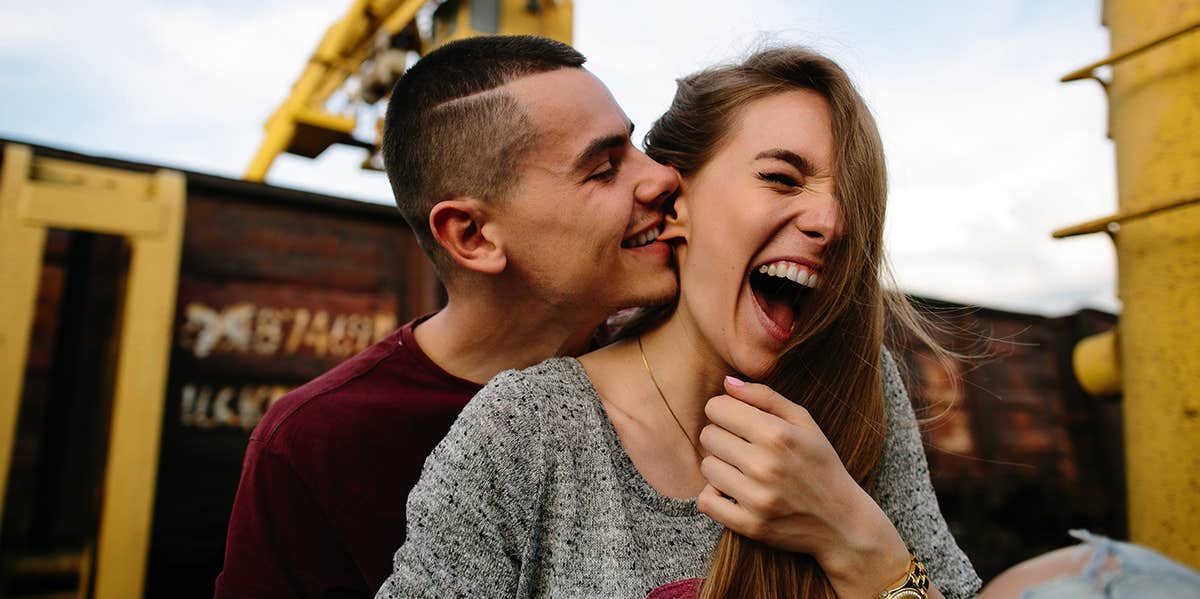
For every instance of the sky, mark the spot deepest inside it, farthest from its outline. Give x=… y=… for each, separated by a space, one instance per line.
x=987 y=152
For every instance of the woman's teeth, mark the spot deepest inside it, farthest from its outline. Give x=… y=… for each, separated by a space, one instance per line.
x=642 y=239
x=790 y=271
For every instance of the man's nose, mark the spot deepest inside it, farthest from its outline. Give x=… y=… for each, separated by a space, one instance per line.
x=820 y=220
x=657 y=182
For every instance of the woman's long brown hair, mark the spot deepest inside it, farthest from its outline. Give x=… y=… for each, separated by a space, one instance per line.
x=832 y=364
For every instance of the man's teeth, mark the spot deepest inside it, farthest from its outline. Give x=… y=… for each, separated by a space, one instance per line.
x=792 y=272
x=643 y=238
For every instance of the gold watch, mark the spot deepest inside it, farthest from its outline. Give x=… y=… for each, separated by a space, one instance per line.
x=914 y=585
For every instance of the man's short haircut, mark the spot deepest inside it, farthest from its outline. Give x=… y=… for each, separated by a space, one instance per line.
x=449 y=133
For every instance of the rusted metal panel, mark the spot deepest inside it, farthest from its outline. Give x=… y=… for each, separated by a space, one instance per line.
x=276 y=287
x=1017 y=452
x=272 y=293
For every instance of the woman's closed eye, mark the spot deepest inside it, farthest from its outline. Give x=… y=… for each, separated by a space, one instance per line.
x=781 y=179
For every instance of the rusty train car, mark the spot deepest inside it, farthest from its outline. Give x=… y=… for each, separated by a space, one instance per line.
x=278 y=285
x=1018 y=452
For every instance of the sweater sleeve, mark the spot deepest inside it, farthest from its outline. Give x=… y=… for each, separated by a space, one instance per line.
x=905 y=493
x=470 y=515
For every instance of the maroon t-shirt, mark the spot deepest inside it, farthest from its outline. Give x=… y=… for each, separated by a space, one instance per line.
x=320 y=506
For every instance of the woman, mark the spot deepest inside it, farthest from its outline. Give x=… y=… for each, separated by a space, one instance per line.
x=612 y=475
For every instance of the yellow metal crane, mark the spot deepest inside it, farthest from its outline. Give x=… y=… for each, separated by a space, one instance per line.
x=361 y=56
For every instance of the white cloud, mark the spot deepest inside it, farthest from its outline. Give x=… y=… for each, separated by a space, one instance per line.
x=989 y=155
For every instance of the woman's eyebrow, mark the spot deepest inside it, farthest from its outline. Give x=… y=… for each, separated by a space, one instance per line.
x=801 y=163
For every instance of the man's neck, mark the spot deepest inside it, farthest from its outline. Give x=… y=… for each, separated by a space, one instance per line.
x=476 y=338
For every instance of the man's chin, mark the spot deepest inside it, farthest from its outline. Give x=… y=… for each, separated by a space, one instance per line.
x=655 y=296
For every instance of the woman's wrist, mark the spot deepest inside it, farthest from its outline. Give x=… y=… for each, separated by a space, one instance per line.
x=871 y=555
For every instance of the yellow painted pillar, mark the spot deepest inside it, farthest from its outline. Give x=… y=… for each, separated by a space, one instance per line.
x=21 y=249
x=139 y=395
x=1154 y=122
x=148 y=211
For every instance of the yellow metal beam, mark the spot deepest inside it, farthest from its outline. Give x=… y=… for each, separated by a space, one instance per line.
x=71 y=208
x=344 y=46
x=1087 y=71
x=139 y=397
x=148 y=210
x=348 y=43
x=1106 y=223
x=553 y=19
x=398 y=17
x=21 y=249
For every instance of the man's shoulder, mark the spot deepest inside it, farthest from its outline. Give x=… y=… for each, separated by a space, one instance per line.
x=380 y=382
x=300 y=403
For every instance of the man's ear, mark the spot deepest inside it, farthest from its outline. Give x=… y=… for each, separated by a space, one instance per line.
x=676 y=225
x=460 y=226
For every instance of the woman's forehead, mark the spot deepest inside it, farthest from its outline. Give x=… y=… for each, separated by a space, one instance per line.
x=793 y=127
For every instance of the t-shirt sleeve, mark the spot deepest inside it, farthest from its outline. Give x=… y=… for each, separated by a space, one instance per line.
x=470 y=515
x=905 y=493
x=275 y=529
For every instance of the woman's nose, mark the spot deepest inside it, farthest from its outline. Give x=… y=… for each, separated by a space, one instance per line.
x=820 y=220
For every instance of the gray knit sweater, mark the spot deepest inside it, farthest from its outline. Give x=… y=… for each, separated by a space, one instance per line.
x=532 y=495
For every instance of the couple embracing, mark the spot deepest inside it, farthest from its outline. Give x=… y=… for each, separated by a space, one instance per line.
x=741 y=433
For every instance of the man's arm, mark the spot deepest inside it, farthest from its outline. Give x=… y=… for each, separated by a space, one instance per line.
x=280 y=542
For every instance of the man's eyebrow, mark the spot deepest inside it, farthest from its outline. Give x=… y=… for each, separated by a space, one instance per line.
x=802 y=164
x=599 y=146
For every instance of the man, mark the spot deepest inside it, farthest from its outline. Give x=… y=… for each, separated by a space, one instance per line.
x=513 y=165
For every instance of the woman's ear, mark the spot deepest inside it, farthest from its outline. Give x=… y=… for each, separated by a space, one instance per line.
x=676 y=225
x=460 y=226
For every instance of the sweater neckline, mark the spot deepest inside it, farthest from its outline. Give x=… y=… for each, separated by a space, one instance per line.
x=632 y=478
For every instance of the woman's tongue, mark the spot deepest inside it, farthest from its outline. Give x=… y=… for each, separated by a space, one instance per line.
x=777 y=307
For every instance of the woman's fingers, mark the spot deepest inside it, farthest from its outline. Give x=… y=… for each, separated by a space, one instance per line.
x=737 y=417
x=727 y=446
x=756 y=412
x=730 y=514
x=726 y=478
x=767 y=400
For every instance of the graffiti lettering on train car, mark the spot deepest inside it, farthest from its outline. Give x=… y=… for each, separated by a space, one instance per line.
x=246 y=328
x=230 y=406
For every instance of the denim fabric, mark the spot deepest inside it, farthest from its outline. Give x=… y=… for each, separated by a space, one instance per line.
x=1140 y=574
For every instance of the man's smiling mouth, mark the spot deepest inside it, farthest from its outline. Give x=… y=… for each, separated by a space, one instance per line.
x=644 y=238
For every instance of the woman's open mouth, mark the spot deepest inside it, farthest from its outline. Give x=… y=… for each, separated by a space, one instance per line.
x=778 y=288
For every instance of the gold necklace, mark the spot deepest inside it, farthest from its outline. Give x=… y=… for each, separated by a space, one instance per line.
x=665 y=402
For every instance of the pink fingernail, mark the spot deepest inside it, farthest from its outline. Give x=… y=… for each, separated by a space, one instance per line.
x=734 y=382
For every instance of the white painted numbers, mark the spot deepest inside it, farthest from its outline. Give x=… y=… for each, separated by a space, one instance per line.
x=245 y=328
x=268 y=332
x=230 y=406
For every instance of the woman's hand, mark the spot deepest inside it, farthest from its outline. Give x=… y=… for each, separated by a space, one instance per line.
x=774 y=477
